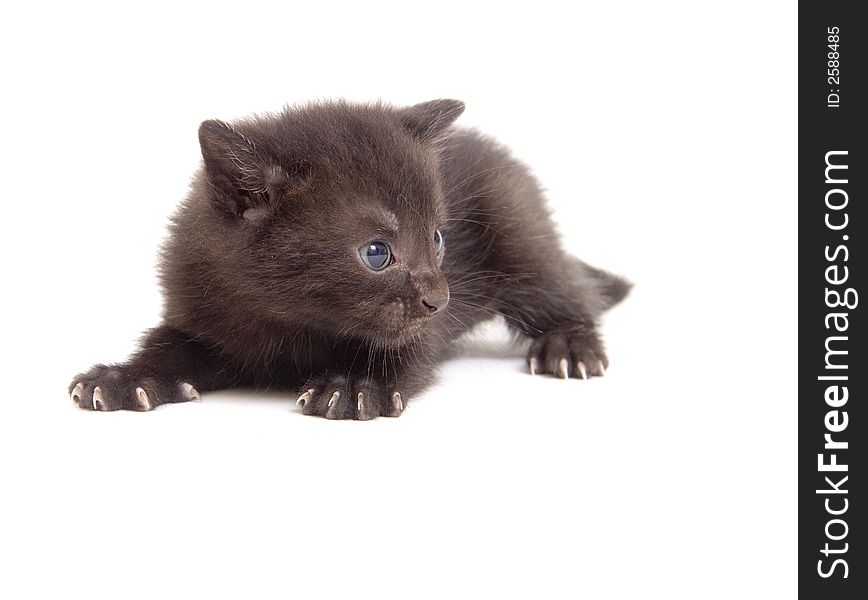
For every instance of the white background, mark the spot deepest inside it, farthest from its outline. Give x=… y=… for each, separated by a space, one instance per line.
x=665 y=133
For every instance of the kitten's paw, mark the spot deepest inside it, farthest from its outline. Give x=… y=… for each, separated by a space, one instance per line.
x=342 y=397
x=569 y=353
x=117 y=388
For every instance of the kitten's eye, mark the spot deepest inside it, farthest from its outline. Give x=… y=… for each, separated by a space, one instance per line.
x=438 y=240
x=376 y=255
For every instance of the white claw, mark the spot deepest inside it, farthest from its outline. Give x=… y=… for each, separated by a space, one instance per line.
x=334 y=398
x=583 y=371
x=305 y=397
x=397 y=402
x=534 y=366
x=142 y=397
x=602 y=368
x=77 y=392
x=563 y=373
x=189 y=392
x=360 y=402
x=98 y=403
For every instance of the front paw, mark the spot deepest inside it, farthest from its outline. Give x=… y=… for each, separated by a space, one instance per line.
x=122 y=388
x=576 y=352
x=350 y=397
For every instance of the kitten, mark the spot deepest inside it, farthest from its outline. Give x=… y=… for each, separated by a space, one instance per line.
x=338 y=249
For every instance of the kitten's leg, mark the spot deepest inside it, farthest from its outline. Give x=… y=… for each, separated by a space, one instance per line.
x=370 y=383
x=170 y=367
x=544 y=293
x=560 y=317
x=510 y=261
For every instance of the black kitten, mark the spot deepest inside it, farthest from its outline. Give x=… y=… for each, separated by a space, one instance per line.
x=338 y=249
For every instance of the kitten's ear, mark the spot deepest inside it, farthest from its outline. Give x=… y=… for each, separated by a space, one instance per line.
x=244 y=180
x=428 y=120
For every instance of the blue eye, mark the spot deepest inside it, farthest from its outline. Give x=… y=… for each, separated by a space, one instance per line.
x=438 y=240
x=375 y=255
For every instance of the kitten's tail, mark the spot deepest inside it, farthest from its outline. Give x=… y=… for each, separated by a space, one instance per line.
x=612 y=288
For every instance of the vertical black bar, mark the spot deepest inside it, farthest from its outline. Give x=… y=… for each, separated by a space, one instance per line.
x=833 y=225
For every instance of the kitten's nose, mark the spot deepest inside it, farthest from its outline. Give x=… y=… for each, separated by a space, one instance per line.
x=435 y=301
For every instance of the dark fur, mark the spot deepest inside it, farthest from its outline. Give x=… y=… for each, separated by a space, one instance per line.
x=264 y=287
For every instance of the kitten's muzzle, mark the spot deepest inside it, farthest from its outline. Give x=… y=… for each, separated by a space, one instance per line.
x=435 y=301
x=427 y=293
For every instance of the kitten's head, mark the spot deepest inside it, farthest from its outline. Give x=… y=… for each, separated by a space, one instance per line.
x=330 y=215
